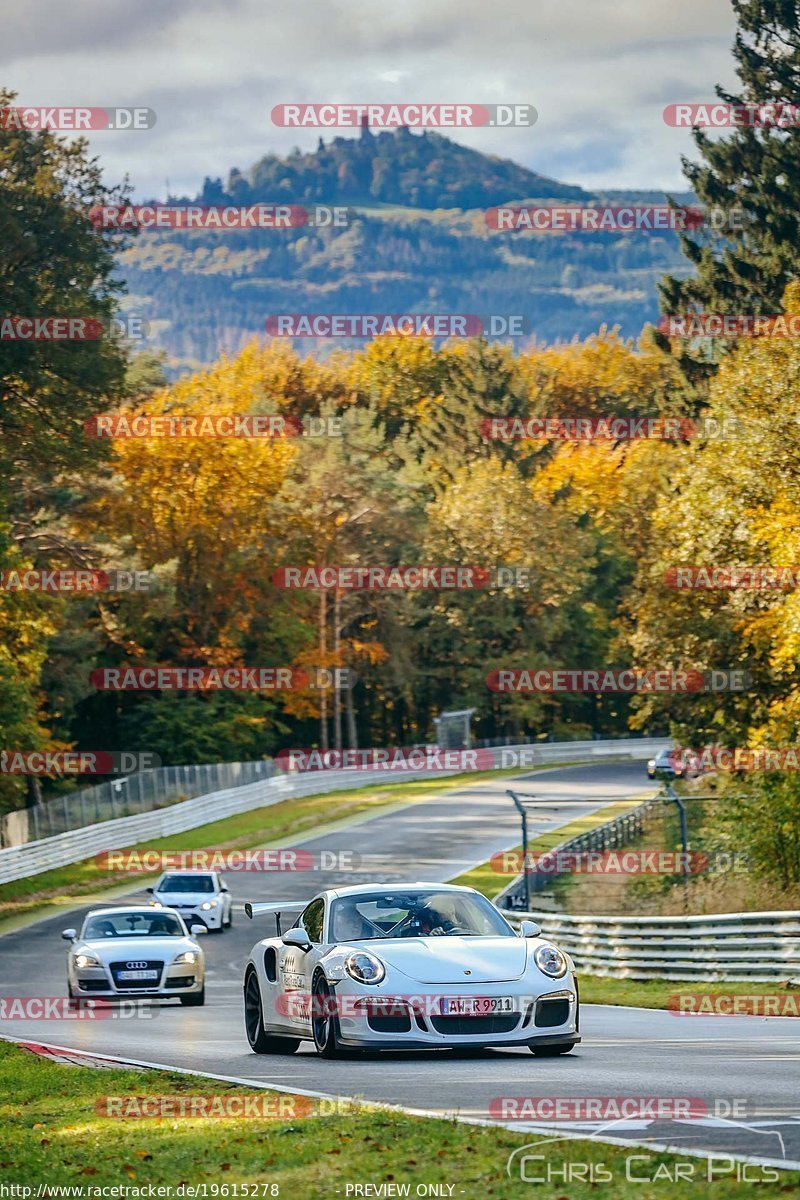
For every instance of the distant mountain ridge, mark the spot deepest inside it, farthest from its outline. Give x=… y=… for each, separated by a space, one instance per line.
x=417 y=241
x=424 y=170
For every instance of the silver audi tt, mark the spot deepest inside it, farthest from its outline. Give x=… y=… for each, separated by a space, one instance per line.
x=135 y=951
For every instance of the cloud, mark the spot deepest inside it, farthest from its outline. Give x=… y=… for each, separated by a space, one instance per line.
x=599 y=72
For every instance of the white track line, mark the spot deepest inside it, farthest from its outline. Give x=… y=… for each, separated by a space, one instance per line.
x=782 y=1164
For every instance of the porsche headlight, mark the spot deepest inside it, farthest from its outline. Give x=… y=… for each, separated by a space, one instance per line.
x=86 y=960
x=550 y=961
x=651 y=765
x=189 y=957
x=364 y=968
x=209 y=904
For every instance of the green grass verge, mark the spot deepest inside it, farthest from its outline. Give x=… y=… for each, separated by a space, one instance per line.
x=655 y=993
x=51 y=1135
x=301 y=816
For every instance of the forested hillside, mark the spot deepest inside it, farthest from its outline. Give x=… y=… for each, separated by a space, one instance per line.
x=418 y=241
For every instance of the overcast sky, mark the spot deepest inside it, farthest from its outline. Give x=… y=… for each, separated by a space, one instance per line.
x=599 y=73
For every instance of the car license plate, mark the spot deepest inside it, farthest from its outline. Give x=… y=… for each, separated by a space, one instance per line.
x=137 y=974
x=476 y=1006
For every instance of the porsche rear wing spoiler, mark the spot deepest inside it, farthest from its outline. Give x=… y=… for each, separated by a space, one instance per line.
x=279 y=908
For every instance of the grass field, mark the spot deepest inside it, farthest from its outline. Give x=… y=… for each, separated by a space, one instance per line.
x=52 y=1136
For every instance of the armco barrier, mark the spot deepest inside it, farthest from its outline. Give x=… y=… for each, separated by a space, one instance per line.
x=753 y=947
x=19 y=862
x=126 y=796
x=617 y=832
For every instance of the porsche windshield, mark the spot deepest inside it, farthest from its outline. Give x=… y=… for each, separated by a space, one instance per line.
x=149 y=923
x=415 y=914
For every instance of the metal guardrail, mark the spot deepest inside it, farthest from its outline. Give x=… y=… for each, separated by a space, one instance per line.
x=620 y=831
x=19 y=862
x=124 y=796
x=752 y=947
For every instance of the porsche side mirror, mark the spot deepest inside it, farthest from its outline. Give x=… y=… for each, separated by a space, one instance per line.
x=151 y=890
x=530 y=929
x=196 y=930
x=297 y=937
x=69 y=935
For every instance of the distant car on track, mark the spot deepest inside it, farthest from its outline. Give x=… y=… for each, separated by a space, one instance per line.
x=406 y=967
x=196 y=895
x=135 y=951
x=666 y=764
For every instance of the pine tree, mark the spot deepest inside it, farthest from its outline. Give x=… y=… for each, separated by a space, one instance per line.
x=750 y=180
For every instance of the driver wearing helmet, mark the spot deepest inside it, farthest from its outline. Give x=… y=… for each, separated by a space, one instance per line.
x=430 y=922
x=349 y=925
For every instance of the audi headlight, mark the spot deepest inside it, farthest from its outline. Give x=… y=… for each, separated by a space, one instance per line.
x=364 y=968
x=209 y=904
x=189 y=957
x=86 y=960
x=550 y=961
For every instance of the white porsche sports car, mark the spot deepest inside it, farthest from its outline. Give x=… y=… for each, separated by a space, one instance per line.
x=136 y=951
x=406 y=966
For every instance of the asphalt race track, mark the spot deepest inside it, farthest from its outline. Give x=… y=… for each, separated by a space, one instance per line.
x=747 y=1065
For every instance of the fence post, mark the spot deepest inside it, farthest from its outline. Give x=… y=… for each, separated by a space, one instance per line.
x=525 y=872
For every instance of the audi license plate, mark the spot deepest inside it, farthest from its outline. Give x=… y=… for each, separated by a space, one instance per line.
x=476 y=1006
x=137 y=974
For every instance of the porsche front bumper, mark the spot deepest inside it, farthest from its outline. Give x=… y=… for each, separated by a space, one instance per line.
x=416 y=1022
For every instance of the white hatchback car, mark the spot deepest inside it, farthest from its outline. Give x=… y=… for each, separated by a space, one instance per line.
x=135 y=951
x=197 y=895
